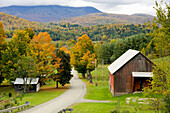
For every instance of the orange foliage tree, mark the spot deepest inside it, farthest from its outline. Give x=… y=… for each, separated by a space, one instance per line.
x=43 y=51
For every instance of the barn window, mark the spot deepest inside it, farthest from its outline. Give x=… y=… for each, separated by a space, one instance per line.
x=140 y=63
x=19 y=87
x=139 y=60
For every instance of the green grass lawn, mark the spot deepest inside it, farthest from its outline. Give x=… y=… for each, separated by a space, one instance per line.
x=40 y=97
x=93 y=107
x=46 y=93
x=106 y=108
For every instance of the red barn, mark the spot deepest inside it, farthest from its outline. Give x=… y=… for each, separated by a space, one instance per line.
x=129 y=73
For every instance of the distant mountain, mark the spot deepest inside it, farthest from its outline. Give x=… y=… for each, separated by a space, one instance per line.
x=142 y=15
x=48 y=12
x=105 y=18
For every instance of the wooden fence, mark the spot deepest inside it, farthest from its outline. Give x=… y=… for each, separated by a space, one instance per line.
x=13 y=108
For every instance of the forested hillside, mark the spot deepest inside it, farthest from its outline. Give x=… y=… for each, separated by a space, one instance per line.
x=66 y=31
x=12 y=23
x=106 y=18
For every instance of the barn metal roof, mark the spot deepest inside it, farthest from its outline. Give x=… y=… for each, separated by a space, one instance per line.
x=21 y=81
x=142 y=74
x=122 y=60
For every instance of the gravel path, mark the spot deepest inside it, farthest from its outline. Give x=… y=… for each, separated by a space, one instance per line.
x=96 y=101
x=73 y=95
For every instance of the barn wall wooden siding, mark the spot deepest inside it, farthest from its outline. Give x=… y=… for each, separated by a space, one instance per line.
x=123 y=79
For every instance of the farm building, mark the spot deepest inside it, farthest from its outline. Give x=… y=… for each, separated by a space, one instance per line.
x=33 y=82
x=129 y=73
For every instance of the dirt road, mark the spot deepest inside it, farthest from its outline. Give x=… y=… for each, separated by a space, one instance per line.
x=73 y=95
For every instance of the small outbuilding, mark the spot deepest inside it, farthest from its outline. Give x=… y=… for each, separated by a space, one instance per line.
x=33 y=83
x=130 y=73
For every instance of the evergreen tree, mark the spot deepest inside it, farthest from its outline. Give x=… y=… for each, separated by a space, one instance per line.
x=64 y=70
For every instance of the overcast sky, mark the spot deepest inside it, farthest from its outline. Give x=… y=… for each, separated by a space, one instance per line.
x=108 y=6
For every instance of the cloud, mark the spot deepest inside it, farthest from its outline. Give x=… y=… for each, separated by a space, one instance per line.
x=119 y=2
x=43 y=2
x=131 y=9
x=109 y=6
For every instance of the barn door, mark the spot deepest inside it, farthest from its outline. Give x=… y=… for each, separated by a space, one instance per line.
x=141 y=85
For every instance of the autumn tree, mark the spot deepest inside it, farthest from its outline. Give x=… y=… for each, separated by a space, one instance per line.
x=15 y=50
x=83 y=56
x=43 y=51
x=159 y=89
x=160 y=31
x=26 y=69
x=30 y=32
x=63 y=74
x=2 y=42
x=71 y=43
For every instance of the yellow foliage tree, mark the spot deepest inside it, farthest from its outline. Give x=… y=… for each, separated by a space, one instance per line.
x=83 y=56
x=15 y=50
x=2 y=42
x=160 y=31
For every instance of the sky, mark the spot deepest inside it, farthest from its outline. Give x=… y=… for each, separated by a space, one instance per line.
x=107 y=6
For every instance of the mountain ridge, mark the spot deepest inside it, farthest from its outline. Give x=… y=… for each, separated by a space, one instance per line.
x=108 y=18
x=45 y=13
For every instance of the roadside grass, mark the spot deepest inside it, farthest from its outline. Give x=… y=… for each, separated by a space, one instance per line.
x=93 y=107
x=107 y=108
x=46 y=93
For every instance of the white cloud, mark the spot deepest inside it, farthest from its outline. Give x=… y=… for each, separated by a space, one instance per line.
x=109 y=6
x=131 y=9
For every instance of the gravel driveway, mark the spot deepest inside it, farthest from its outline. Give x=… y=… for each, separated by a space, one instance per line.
x=73 y=95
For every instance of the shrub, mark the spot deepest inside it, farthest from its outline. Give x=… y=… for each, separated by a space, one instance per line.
x=6 y=105
x=125 y=111
x=115 y=111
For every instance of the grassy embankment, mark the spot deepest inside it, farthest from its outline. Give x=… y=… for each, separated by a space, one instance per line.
x=101 y=92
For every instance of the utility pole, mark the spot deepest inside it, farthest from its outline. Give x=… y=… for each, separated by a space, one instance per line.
x=95 y=73
x=102 y=68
